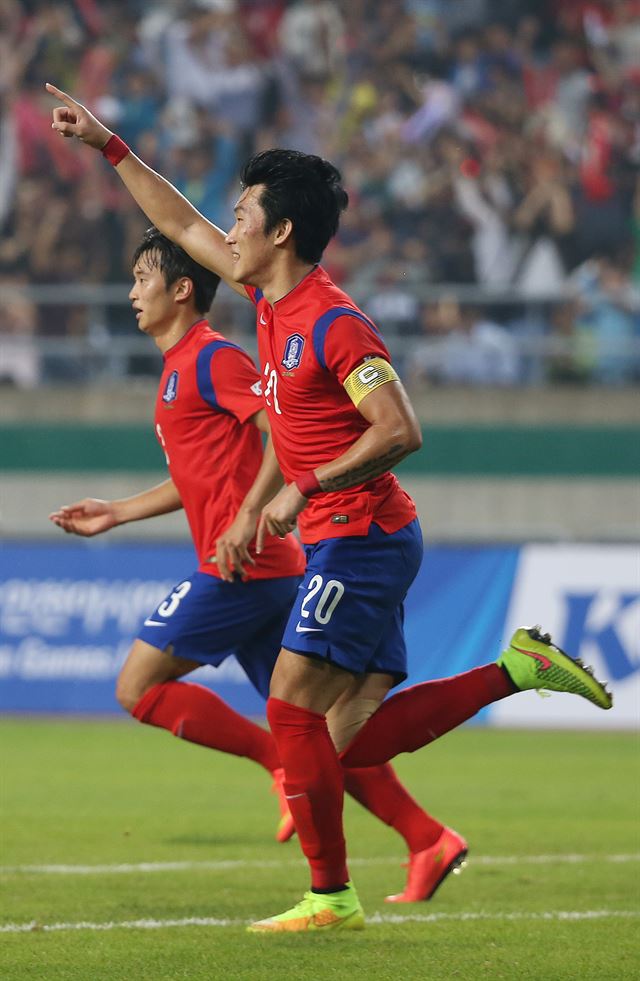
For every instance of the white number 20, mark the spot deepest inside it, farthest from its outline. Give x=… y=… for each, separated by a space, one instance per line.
x=329 y=598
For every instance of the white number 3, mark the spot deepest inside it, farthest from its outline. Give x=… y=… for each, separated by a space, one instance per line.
x=171 y=605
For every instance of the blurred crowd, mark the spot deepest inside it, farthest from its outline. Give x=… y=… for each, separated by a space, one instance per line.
x=490 y=145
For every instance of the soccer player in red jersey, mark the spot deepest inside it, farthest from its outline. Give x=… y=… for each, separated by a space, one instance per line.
x=209 y=417
x=340 y=420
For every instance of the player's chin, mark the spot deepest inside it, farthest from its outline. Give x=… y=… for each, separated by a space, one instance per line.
x=242 y=273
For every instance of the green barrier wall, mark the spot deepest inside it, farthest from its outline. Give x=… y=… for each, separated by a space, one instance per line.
x=505 y=451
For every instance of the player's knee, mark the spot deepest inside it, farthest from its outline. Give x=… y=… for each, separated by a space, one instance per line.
x=144 y=667
x=124 y=696
x=129 y=693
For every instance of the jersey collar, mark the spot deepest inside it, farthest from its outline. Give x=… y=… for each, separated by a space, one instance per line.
x=308 y=281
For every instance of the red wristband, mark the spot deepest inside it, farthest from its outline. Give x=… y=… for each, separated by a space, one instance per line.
x=115 y=150
x=308 y=484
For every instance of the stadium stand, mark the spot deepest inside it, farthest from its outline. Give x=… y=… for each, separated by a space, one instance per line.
x=491 y=152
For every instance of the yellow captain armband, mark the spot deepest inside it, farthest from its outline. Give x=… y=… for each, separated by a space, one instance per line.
x=368 y=376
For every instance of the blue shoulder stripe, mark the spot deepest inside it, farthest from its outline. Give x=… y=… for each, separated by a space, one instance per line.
x=258 y=295
x=203 y=373
x=323 y=323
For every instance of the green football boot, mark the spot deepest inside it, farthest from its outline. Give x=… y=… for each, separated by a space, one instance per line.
x=328 y=911
x=532 y=661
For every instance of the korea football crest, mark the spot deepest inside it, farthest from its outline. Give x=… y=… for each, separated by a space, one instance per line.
x=293 y=351
x=170 y=393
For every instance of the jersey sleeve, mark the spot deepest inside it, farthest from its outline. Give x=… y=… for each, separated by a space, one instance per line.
x=348 y=343
x=236 y=383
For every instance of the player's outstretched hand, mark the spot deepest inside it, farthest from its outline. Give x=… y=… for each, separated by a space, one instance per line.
x=87 y=517
x=232 y=552
x=74 y=119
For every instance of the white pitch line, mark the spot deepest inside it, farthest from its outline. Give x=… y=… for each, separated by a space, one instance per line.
x=376 y=919
x=222 y=864
x=555 y=915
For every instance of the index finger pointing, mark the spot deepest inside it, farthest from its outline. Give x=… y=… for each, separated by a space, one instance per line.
x=62 y=96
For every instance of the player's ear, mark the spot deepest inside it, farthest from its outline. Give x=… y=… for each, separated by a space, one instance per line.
x=183 y=289
x=284 y=232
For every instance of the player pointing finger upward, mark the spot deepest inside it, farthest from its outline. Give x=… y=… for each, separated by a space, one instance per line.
x=340 y=419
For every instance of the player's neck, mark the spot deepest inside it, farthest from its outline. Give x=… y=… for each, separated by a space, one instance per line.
x=175 y=331
x=283 y=278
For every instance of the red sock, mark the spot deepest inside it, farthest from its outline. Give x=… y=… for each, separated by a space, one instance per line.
x=379 y=790
x=314 y=788
x=199 y=715
x=418 y=715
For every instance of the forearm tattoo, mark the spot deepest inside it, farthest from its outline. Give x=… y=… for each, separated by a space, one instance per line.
x=365 y=471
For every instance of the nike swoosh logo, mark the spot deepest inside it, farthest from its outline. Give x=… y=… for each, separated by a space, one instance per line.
x=308 y=630
x=544 y=661
x=154 y=623
x=262 y=320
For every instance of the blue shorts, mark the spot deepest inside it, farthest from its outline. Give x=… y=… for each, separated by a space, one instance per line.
x=205 y=619
x=349 y=606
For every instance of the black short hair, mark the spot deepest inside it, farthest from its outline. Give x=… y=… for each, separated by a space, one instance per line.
x=304 y=188
x=174 y=262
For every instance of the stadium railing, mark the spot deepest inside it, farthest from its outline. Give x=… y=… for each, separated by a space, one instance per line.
x=103 y=345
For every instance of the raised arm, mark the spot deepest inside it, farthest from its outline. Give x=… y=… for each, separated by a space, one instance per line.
x=165 y=207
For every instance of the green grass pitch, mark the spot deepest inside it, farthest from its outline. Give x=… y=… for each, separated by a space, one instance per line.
x=551 y=890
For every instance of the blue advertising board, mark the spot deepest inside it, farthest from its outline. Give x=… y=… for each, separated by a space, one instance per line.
x=69 y=612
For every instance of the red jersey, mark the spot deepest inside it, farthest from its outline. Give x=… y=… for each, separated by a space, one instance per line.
x=208 y=391
x=309 y=342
